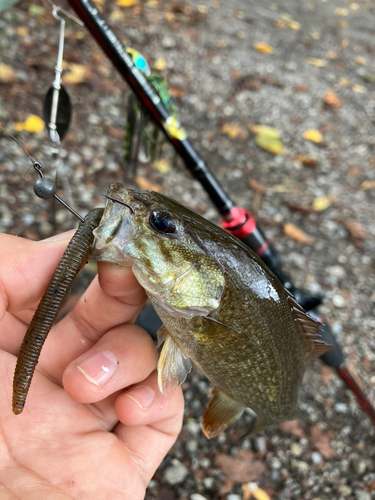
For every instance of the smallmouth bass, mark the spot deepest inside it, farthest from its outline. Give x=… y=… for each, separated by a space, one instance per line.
x=221 y=308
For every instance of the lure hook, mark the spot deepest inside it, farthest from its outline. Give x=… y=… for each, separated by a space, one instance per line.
x=115 y=200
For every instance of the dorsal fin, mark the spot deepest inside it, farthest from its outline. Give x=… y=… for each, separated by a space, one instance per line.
x=311 y=328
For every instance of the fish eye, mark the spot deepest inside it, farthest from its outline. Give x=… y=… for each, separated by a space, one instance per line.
x=162 y=222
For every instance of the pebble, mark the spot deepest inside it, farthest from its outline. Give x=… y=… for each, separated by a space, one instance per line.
x=338 y=301
x=341 y=408
x=208 y=483
x=176 y=473
x=197 y=496
x=296 y=449
x=358 y=465
x=316 y=457
x=260 y=444
x=233 y=497
x=362 y=495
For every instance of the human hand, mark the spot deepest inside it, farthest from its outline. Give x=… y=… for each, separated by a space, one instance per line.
x=95 y=424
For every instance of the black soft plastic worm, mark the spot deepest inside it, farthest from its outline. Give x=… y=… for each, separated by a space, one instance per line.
x=71 y=263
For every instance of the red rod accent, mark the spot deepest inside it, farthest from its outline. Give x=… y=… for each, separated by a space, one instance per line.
x=262 y=248
x=239 y=222
x=358 y=392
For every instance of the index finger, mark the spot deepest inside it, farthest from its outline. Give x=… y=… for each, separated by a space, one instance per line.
x=25 y=269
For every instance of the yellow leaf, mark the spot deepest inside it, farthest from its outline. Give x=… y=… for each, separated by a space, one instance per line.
x=33 y=124
x=294 y=25
x=234 y=131
x=354 y=6
x=343 y=24
x=331 y=54
x=163 y=166
x=360 y=60
x=341 y=12
x=170 y=17
x=359 y=89
x=78 y=73
x=321 y=203
x=313 y=135
x=294 y=233
x=160 y=64
x=263 y=47
x=7 y=73
x=368 y=185
x=126 y=3
x=268 y=138
x=254 y=493
x=22 y=31
x=320 y=63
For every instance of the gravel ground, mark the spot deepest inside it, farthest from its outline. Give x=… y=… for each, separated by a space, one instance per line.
x=220 y=79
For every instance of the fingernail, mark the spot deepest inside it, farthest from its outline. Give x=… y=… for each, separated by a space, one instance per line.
x=99 y=367
x=142 y=395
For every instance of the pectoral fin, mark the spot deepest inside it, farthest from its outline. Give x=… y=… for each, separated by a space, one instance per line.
x=221 y=412
x=173 y=366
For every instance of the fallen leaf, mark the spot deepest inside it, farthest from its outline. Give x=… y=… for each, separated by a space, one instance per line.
x=341 y=12
x=343 y=24
x=355 y=230
x=78 y=73
x=160 y=64
x=293 y=427
x=254 y=493
x=331 y=100
x=320 y=63
x=263 y=47
x=369 y=78
x=321 y=203
x=222 y=43
x=170 y=17
x=360 y=60
x=258 y=187
x=360 y=89
x=36 y=10
x=177 y=91
x=331 y=54
x=313 y=135
x=234 y=131
x=294 y=25
x=7 y=73
x=304 y=209
x=125 y=3
x=307 y=161
x=239 y=14
x=268 y=138
x=301 y=87
x=146 y=185
x=294 y=233
x=163 y=166
x=279 y=24
x=322 y=442
x=237 y=470
x=368 y=185
x=22 y=31
x=32 y=124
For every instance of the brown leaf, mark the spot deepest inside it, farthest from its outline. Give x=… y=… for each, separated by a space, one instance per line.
x=249 y=82
x=356 y=232
x=301 y=87
x=143 y=183
x=331 y=101
x=258 y=187
x=307 y=161
x=322 y=442
x=294 y=233
x=177 y=91
x=238 y=470
x=304 y=209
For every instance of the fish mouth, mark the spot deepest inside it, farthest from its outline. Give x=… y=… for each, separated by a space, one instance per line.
x=116 y=228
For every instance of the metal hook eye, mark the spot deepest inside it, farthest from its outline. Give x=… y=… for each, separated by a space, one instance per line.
x=56 y=10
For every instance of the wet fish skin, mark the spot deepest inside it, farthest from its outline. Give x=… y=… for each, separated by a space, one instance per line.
x=220 y=305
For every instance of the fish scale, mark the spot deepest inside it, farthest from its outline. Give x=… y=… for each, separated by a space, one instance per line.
x=221 y=308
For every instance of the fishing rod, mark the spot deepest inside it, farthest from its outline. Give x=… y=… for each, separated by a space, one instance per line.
x=236 y=220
